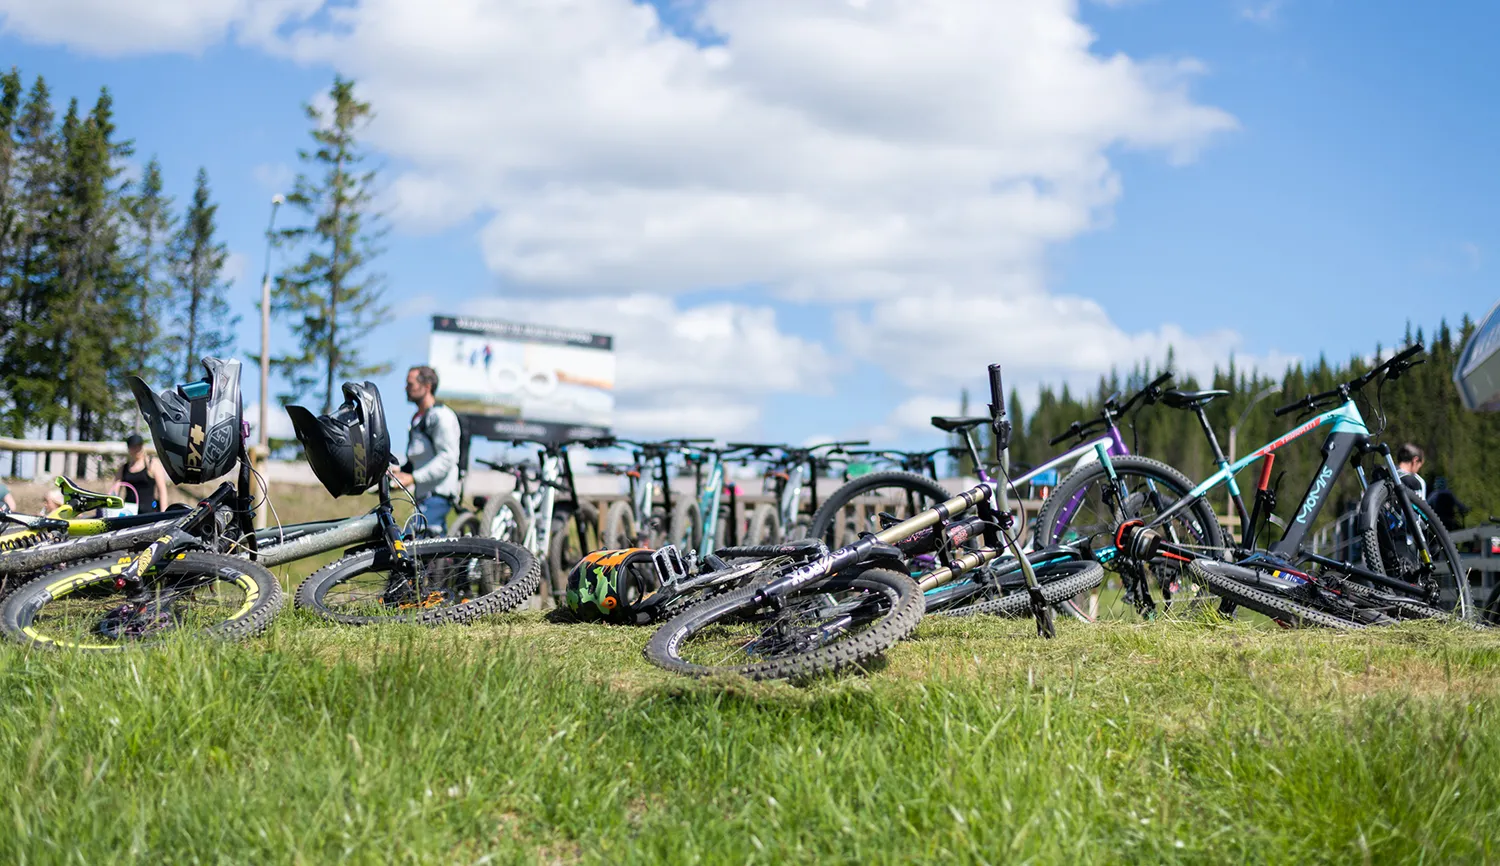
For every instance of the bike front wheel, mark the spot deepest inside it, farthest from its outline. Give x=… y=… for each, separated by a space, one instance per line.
x=86 y=607
x=449 y=580
x=833 y=624
x=1390 y=546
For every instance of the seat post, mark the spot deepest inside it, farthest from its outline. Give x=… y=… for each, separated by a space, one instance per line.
x=1220 y=460
x=1208 y=430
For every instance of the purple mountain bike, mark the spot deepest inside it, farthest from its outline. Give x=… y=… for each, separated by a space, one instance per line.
x=870 y=501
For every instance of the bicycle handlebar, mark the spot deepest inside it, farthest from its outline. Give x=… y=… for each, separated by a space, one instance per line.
x=1391 y=368
x=1079 y=429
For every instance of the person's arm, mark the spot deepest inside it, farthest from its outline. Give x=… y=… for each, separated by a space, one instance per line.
x=9 y=500
x=160 y=474
x=444 y=448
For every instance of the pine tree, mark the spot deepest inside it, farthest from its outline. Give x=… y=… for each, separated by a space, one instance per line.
x=204 y=326
x=29 y=268
x=91 y=326
x=331 y=298
x=150 y=229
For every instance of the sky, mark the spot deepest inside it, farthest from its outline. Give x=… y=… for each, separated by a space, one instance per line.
x=822 y=218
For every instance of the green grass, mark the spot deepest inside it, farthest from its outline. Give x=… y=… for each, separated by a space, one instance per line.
x=521 y=741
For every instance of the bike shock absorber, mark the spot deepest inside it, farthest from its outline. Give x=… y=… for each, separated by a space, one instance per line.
x=22 y=541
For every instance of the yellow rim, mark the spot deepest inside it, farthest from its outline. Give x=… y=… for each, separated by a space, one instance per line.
x=68 y=585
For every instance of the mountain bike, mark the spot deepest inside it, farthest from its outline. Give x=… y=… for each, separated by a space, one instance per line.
x=545 y=515
x=856 y=506
x=850 y=604
x=707 y=520
x=637 y=520
x=786 y=474
x=38 y=542
x=204 y=569
x=1412 y=569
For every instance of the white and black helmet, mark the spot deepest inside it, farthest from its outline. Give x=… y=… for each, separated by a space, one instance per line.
x=198 y=426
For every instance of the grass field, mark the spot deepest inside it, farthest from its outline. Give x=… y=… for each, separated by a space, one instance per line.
x=522 y=741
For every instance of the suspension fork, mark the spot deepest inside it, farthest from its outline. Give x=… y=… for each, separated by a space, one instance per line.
x=1131 y=570
x=1409 y=514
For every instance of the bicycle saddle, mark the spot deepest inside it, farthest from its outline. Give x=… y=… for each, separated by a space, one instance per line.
x=87 y=500
x=958 y=425
x=1176 y=399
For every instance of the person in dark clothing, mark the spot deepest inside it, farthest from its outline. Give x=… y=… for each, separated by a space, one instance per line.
x=145 y=474
x=1446 y=506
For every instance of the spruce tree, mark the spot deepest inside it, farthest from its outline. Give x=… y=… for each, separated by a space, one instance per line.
x=331 y=299
x=150 y=229
x=30 y=268
x=203 y=324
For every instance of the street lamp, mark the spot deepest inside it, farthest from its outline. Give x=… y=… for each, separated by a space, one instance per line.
x=265 y=328
x=265 y=353
x=1235 y=428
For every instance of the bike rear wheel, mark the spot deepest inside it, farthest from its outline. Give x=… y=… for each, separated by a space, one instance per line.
x=454 y=580
x=84 y=606
x=833 y=624
x=1059 y=581
x=1083 y=510
x=854 y=508
x=1236 y=584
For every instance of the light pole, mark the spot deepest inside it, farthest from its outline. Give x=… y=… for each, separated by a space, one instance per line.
x=1234 y=429
x=265 y=329
x=265 y=352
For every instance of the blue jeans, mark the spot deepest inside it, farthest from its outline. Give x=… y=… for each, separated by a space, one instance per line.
x=435 y=509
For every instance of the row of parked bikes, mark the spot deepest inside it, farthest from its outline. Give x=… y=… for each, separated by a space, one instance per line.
x=795 y=588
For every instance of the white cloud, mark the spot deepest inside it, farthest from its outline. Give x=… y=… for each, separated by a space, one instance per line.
x=944 y=339
x=1263 y=12
x=906 y=162
x=144 y=26
x=697 y=371
x=824 y=150
x=274 y=178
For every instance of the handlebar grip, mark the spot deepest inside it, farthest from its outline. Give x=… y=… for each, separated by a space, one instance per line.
x=1161 y=380
x=1292 y=407
x=997 y=392
x=1060 y=438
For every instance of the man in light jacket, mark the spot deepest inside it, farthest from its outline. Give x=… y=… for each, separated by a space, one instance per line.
x=431 y=468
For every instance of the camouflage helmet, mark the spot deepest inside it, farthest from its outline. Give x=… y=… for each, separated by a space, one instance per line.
x=613 y=585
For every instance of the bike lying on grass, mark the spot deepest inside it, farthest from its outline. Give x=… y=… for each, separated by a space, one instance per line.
x=205 y=568
x=1410 y=569
x=843 y=607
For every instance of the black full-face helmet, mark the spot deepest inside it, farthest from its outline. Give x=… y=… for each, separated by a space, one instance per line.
x=198 y=427
x=351 y=449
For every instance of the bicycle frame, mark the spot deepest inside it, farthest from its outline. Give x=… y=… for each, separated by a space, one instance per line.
x=1349 y=434
x=711 y=496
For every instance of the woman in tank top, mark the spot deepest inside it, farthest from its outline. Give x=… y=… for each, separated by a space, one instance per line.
x=145 y=475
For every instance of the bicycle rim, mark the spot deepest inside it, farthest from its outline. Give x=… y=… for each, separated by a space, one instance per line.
x=87 y=609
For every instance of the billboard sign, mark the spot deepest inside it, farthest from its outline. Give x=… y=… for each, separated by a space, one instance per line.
x=514 y=380
x=1477 y=373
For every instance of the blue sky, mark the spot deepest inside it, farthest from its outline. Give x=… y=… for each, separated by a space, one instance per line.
x=790 y=231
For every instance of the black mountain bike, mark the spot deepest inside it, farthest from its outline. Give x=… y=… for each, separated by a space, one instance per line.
x=850 y=604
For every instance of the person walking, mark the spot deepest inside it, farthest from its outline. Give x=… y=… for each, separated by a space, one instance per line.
x=431 y=468
x=1409 y=461
x=145 y=475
